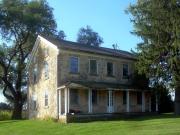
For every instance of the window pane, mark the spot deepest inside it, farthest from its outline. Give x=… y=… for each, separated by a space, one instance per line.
x=110 y=69
x=125 y=70
x=74 y=97
x=94 y=97
x=46 y=99
x=124 y=97
x=93 y=67
x=139 y=98
x=74 y=65
x=46 y=70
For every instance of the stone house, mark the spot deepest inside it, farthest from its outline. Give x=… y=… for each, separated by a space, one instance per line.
x=68 y=80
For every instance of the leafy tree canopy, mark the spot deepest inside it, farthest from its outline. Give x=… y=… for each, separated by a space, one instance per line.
x=89 y=37
x=157 y=23
x=20 y=23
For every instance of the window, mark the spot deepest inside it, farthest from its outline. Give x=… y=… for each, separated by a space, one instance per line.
x=139 y=98
x=74 y=97
x=94 y=97
x=74 y=63
x=124 y=97
x=34 y=102
x=93 y=67
x=46 y=70
x=46 y=99
x=35 y=73
x=125 y=71
x=109 y=69
x=46 y=52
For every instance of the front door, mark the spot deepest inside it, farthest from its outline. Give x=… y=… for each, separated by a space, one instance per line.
x=110 y=98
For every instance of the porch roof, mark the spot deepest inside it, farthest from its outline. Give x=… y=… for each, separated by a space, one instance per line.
x=100 y=86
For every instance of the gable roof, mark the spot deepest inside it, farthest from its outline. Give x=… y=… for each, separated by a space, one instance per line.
x=69 y=45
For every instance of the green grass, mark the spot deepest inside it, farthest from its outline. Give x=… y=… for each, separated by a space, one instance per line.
x=166 y=124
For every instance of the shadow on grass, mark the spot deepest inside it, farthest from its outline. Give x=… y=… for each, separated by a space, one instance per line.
x=127 y=118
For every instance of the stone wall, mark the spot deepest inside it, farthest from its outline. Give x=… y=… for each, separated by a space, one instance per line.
x=83 y=75
x=43 y=85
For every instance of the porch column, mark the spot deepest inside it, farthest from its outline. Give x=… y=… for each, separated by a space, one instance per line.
x=127 y=101
x=143 y=101
x=89 y=101
x=59 y=102
x=149 y=104
x=66 y=99
x=157 y=103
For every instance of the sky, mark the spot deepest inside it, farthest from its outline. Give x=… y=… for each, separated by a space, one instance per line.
x=107 y=17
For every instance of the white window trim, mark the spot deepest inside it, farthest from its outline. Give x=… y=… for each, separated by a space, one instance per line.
x=113 y=74
x=97 y=64
x=122 y=71
x=46 y=93
x=46 y=77
x=70 y=64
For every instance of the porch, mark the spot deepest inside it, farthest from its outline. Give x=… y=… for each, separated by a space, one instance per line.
x=82 y=101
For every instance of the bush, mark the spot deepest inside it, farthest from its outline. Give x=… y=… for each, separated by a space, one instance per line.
x=5 y=115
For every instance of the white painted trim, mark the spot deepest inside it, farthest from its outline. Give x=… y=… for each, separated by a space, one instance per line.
x=36 y=45
x=59 y=95
x=127 y=102
x=149 y=104
x=48 y=43
x=90 y=101
x=65 y=102
x=157 y=104
x=61 y=87
x=68 y=98
x=143 y=101
x=110 y=107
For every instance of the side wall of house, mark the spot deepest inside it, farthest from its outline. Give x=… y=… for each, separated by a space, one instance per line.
x=43 y=85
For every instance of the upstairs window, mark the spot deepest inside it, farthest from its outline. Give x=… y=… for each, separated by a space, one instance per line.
x=139 y=98
x=109 y=69
x=34 y=103
x=124 y=97
x=35 y=73
x=125 y=71
x=46 y=52
x=46 y=102
x=74 y=63
x=93 y=67
x=74 y=96
x=94 y=97
x=46 y=70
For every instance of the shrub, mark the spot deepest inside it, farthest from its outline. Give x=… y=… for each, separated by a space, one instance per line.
x=5 y=115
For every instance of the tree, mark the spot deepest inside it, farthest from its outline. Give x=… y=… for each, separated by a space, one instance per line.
x=61 y=35
x=89 y=37
x=20 y=23
x=157 y=23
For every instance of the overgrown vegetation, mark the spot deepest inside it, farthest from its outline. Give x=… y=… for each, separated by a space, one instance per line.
x=5 y=115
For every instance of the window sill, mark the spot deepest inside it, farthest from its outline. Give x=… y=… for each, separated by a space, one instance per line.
x=125 y=77
x=112 y=76
x=74 y=73
x=46 y=107
x=93 y=74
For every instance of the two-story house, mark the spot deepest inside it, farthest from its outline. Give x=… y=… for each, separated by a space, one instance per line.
x=68 y=80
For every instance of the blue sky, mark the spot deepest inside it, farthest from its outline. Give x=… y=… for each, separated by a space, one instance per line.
x=107 y=17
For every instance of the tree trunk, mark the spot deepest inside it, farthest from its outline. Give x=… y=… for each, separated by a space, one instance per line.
x=177 y=100
x=17 y=111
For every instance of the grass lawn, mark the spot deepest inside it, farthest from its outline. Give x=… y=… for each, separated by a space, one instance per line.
x=165 y=124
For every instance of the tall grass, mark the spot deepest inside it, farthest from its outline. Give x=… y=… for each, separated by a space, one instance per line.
x=5 y=115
